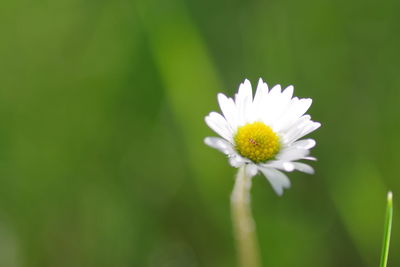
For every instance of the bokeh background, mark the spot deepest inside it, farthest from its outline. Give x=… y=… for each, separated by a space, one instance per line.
x=102 y=106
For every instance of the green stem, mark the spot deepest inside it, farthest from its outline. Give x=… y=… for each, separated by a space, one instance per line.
x=243 y=223
x=387 y=230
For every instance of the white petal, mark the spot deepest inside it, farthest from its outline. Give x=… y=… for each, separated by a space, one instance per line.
x=262 y=89
x=303 y=167
x=298 y=123
x=229 y=110
x=218 y=123
x=220 y=144
x=303 y=126
x=261 y=93
x=278 y=180
x=310 y=127
x=304 y=144
x=276 y=90
x=292 y=153
x=288 y=92
x=294 y=110
x=310 y=158
x=279 y=164
x=274 y=105
x=251 y=170
x=243 y=100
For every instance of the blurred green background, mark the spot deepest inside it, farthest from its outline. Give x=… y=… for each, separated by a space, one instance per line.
x=102 y=106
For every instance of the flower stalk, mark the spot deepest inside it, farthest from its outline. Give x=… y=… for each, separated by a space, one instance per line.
x=243 y=222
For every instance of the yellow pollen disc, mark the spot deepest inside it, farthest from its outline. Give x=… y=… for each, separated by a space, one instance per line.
x=257 y=142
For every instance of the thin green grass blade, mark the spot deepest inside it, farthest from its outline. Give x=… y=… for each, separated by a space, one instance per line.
x=387 y=230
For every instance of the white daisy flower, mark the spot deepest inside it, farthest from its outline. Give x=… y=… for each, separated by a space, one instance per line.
x=263 y=132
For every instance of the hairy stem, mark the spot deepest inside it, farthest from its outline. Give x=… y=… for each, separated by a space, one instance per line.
x=243 y=223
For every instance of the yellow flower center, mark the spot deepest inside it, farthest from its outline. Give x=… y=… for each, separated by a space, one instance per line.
x=257 y=142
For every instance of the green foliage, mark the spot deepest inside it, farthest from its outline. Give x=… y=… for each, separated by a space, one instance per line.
x=387 y=230
x=102 y=106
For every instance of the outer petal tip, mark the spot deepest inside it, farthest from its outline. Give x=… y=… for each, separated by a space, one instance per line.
x=221 y=96
x=276 y=89
x=207 y=141
x=289 y=91
x=277 y=179
x=304 y=167
x=316 y=125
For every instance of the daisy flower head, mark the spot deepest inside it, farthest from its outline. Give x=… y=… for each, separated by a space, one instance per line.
x=262 y=133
